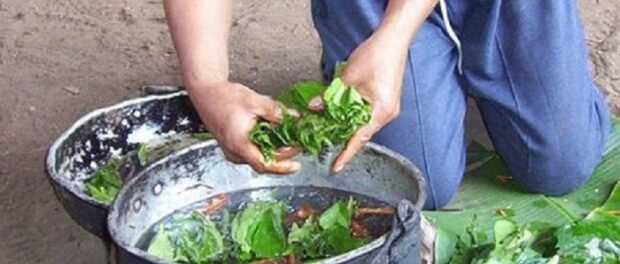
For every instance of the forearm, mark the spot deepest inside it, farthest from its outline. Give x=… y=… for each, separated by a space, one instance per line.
x=200 y=30
x=402 y=20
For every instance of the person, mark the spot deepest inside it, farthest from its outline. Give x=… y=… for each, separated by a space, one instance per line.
x=523 y=61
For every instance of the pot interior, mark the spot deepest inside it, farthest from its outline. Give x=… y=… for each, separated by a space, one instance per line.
x=376 y=175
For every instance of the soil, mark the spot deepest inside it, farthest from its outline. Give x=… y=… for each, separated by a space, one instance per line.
x=62 y=59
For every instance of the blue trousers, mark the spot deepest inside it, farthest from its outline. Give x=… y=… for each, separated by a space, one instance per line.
x=525 y=64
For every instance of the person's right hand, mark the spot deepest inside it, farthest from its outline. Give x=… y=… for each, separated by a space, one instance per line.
x=230 y=111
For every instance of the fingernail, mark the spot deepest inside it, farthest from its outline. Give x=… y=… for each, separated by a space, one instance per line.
x=279 y=112
x=316 y=103
x=295 y=166
x=293 y=112
x=338 y=168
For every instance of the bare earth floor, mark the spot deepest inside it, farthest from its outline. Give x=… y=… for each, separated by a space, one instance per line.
x=61 y=59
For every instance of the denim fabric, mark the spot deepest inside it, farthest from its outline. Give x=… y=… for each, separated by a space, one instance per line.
x=524 y=62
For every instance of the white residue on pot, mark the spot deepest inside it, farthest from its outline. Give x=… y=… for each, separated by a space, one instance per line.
x=183 y=122
x=147 y=133
x=116 y=153
x=88 y=146
x=106 y=134
x=125 y=123
x=143 y=133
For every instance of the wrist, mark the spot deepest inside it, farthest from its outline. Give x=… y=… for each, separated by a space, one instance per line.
x=204 y=79
x=402 y=20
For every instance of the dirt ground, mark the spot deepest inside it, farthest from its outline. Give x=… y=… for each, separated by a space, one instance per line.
x=62 y=59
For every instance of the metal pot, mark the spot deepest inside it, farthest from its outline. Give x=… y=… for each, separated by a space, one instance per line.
x=201 y=171
x=105 y=134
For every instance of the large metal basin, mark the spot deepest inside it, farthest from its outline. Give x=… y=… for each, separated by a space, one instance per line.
x=96 y=138
x=201 y=171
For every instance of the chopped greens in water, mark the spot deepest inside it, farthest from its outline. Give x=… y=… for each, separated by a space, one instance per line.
x=257 y=232
x=189 y=239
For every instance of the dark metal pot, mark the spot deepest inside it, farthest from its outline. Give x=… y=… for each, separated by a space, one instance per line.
x=163 y=121
x=201 y=171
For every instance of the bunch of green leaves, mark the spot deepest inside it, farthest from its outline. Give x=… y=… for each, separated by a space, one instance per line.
x=590 y=241
x=189 y=239
x=512 y=243
x=105 y=183
x=595 y=240
x=258 y=231
x=344 y=112
x=329 y=236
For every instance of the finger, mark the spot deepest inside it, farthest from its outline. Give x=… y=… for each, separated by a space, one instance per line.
x=233 y=158
x=255 y=159
x=316 y=104
x=357 y=141
x=285 y=153
x=292 y=112
x=269 y=110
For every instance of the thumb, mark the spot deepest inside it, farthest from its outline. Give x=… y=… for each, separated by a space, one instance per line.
x=270 y=110
x=316 y=104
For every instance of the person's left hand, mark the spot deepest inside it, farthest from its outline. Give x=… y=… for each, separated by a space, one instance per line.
x=375 y=69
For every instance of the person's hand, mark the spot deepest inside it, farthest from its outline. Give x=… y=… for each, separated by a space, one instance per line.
x=230 y=111
x=375 y=70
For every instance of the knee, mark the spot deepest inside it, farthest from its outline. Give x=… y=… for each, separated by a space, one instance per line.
x=438 y=201
x=442 y=185
x=556 y=173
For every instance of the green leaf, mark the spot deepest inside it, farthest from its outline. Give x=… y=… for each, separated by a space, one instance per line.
x=445 y=245
x=258 y=230
x=196 y=239
x=299 y=94
x=339 y=214
x=611 y=207
x=345 y=111
x=306 y=241
x=503 y=229
x=161 y=246
x=143 y=155
x=338 y=240
x=105 y=183
x=590 y=241
x=339 y=69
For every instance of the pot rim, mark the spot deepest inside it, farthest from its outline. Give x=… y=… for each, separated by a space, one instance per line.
x=113 y=212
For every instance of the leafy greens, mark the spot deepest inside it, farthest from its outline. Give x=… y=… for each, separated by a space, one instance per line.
x=595 y=240
x=329 y=236
x=105 y=183
x=189 y=239
x=259 y=232
x=256 y=233
x=344 y=112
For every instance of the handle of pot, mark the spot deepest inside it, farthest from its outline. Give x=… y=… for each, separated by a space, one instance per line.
x=403 y=243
